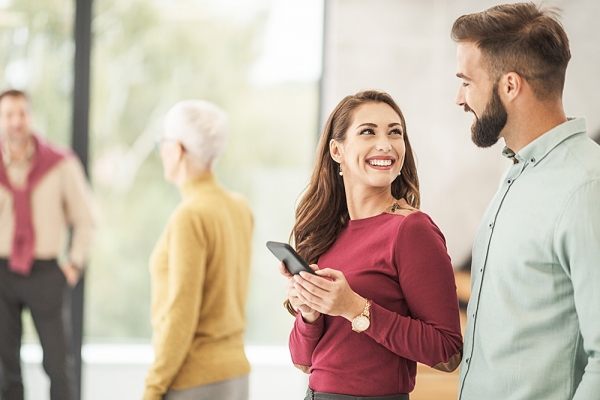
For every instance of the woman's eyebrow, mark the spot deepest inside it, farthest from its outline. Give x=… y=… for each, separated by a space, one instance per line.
x=372 y=125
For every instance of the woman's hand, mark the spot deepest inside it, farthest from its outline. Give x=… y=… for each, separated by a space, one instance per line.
x=332 y=296
x=308 y=314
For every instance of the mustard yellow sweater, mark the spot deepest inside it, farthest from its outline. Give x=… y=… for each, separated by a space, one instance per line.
x=199 y=270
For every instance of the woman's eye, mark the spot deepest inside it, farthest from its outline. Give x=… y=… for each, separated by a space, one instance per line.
x=396 y=132
x=367 y=132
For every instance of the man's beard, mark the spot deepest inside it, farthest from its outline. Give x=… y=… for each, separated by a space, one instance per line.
x=485 y=131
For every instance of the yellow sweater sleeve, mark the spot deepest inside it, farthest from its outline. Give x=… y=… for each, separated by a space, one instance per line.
x=186 y=270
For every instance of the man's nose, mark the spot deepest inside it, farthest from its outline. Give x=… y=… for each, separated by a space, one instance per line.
x=460 y=97
x=17 y=121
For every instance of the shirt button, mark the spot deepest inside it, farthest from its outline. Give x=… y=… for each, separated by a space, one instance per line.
x=491 y=225
x=532 y=160
x=481 y=270
x=467 y=360
x=509 y=181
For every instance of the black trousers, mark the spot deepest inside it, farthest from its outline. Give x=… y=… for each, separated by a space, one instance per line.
x=43 y=293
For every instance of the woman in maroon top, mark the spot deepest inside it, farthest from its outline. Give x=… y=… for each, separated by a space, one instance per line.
x=384 y=296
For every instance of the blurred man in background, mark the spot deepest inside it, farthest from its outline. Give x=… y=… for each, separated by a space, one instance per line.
x=43 y=192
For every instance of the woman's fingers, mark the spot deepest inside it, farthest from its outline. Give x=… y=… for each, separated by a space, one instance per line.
x=308 y=300
x=314 y=296
x=305 y=290
x=328 y=292
x=283 y=271
x=332 y=274
x=289 y=283
x=297 y=301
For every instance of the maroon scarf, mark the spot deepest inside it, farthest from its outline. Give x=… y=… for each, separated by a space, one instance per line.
x=44 y=158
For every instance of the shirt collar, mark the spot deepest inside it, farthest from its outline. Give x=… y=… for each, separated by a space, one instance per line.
x=535 y=151
x=508 y=153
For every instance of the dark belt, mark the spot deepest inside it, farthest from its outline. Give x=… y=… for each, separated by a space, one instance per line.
x=312 y=395
x=36 y=262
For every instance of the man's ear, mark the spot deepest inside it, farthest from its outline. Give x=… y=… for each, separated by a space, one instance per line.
x=335 y=149
x=510 y=86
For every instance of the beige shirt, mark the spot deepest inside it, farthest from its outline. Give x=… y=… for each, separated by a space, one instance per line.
x=61 y=199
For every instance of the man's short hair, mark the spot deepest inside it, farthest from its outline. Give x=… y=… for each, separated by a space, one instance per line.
x=522 y=38
x=14 y=93
x=201 y=128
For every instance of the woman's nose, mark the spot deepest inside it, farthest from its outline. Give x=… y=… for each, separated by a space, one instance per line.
x=383 y=144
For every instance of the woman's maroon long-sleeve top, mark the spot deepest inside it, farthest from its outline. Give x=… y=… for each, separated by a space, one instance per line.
x=401 y=264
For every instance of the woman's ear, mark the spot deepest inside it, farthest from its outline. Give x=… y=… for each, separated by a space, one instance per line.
x=335 y=150
x=179 y=151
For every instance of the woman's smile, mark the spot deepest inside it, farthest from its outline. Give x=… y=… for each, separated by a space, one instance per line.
x=383 y=163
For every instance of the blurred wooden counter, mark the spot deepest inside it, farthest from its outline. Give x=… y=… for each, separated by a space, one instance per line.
x=435 y=385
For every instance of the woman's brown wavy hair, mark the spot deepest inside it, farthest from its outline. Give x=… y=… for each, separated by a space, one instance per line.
x=322 y=212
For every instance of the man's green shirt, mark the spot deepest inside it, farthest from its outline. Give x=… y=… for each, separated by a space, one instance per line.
x=533 y=330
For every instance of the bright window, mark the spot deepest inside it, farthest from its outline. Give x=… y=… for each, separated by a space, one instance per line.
x=259 y=60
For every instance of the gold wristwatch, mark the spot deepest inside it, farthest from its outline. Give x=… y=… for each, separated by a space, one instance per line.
x=362 y=321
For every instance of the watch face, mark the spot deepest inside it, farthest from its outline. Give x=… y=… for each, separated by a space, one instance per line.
x=360 y=323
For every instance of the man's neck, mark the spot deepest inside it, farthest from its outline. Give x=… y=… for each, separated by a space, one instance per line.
x=19 y=149
x=532 y=122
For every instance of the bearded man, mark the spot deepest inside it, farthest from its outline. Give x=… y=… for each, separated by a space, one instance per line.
x=533 y=330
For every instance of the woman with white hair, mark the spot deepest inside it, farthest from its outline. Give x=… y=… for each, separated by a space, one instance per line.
x=199 y=267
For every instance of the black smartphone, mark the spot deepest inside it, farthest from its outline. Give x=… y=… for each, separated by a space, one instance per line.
x=292 y=260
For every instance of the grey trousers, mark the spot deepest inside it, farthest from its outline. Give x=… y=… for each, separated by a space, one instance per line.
x=312 y=395
x=43 y=293
x=231 y=389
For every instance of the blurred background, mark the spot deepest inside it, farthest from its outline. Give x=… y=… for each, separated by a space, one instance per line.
x=278 y=67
